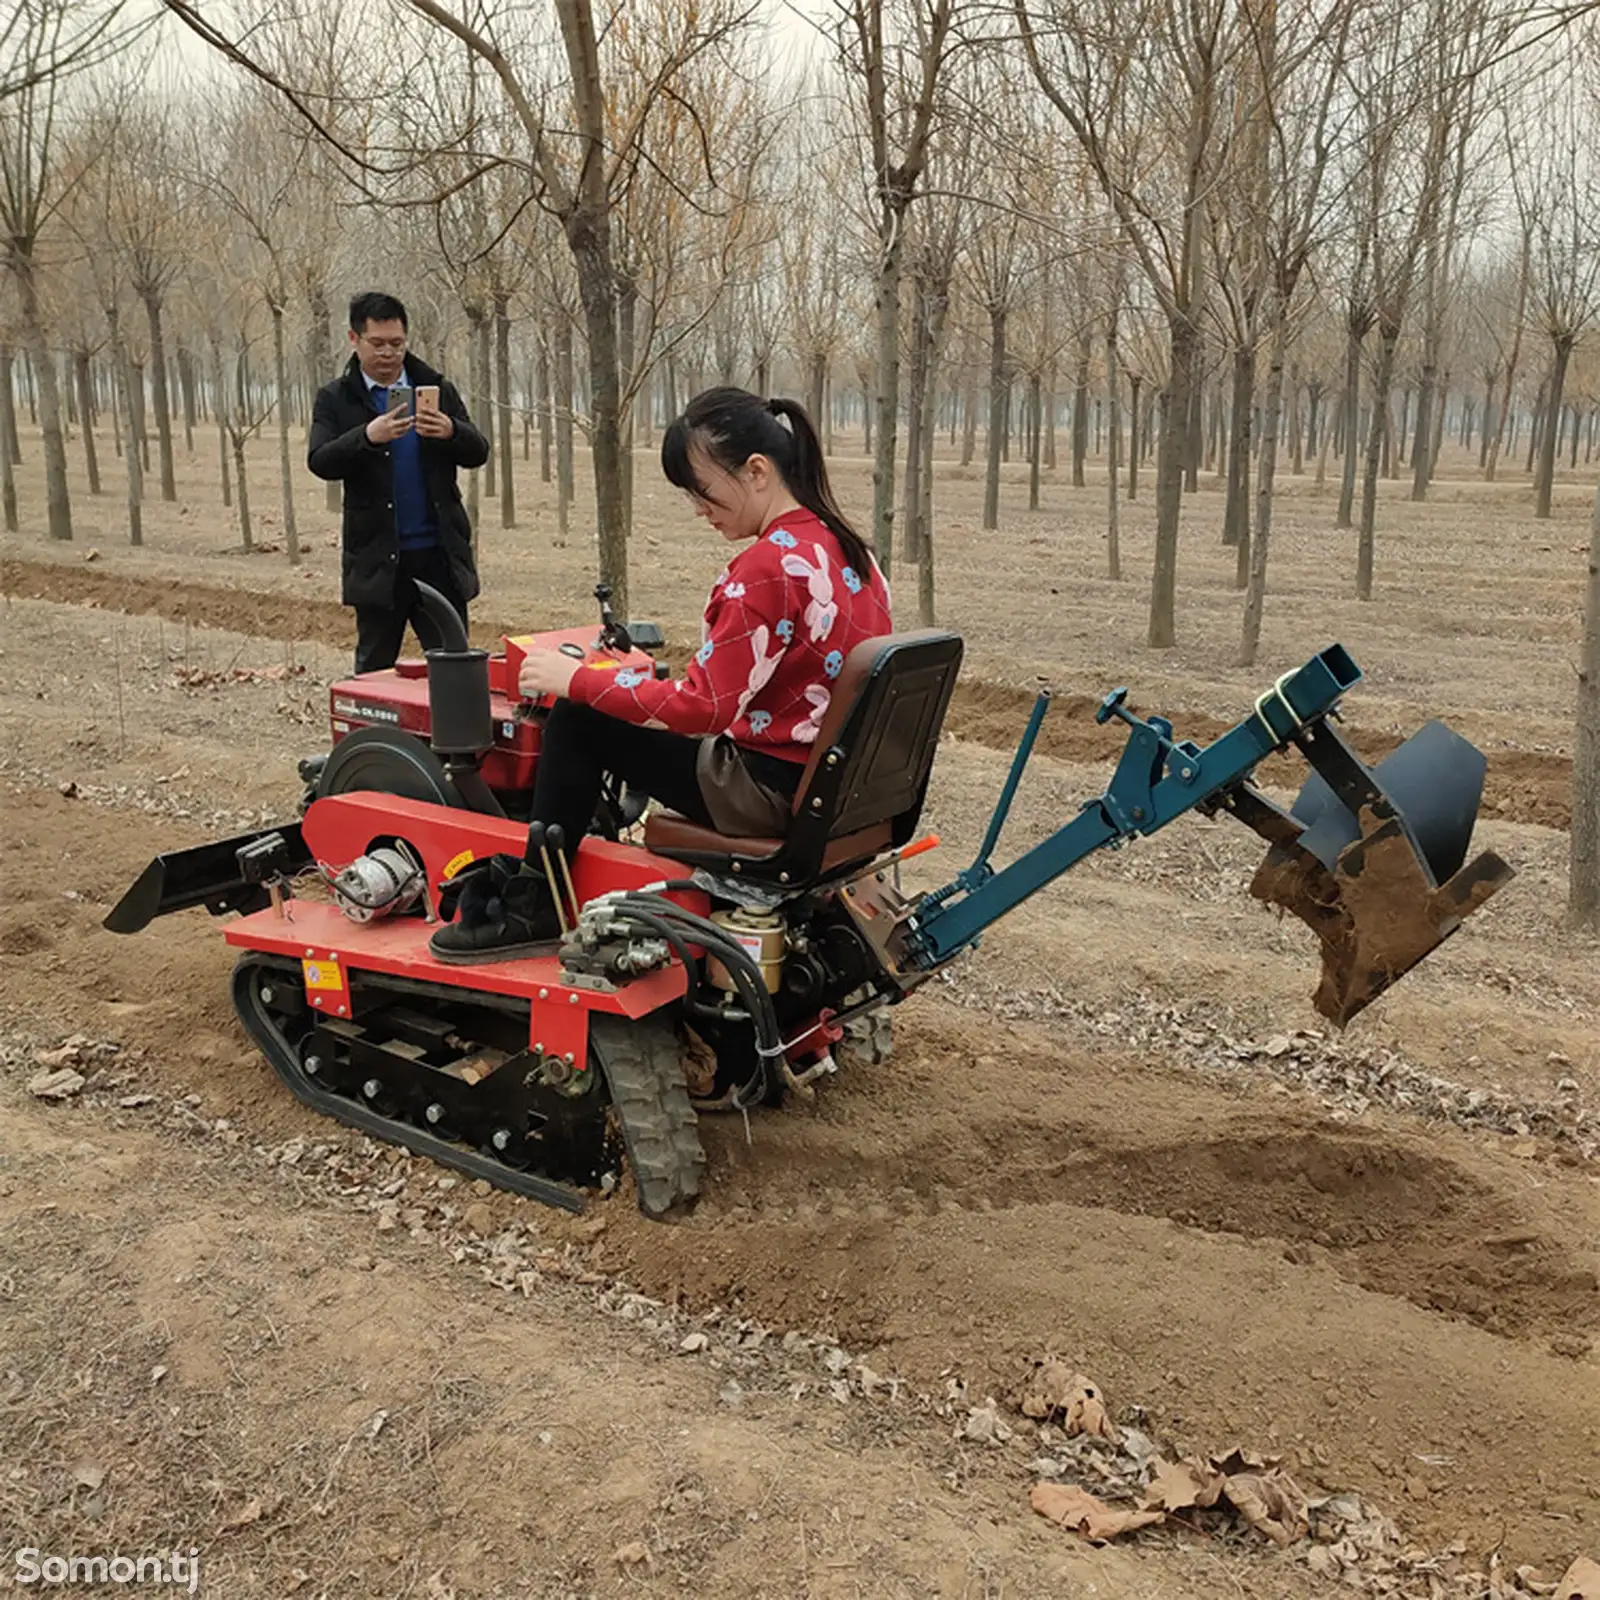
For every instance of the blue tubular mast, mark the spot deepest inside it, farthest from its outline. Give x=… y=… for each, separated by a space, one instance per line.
x=1156 y=781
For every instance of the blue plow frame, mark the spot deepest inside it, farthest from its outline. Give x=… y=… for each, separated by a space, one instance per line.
x=1378 y=892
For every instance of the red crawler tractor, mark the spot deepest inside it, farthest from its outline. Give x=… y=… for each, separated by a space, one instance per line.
x=548 y=1075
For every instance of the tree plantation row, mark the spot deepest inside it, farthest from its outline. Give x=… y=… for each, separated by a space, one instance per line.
x=1233 y=238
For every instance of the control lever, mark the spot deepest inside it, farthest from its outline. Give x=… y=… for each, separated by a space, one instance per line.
x=613 y=634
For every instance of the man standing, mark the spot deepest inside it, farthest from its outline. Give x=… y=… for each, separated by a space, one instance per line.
x=403 y=517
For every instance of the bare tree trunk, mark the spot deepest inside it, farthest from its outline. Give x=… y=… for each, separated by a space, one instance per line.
x=1194 y=431
x=1080 y=413
x=478 y=483
x=219 y=410
x=1035 y=400
x=563 y=427
x=130 y=458
x=1135 y=438
x=313 y=354
x=588 y=236
x=8 y=376
x=1171 y=455
x=138 y=434
x=997 y=416
x=816 y=384
x=891 y=244
x=546 y=406
x=1355 y=337
x=85 y=384
x=158 y=386
x=481 y=364
x=916 y=441
x=1389 y=336
x=1544 y=483
x=502 y=378
x=291 y=532
x=1441 y=405
x=1323 y=448
x=1236 y=511
x=930 y=397
x=8 y=458
x=969 y=424
x=246 y=534
x=1584 y=894
x=59 y=507
x=186 y=392
x=1297 y=463
x=1255 y=594
x=1239 y=455
x=627 y=329
x=1113 y=454
x=1050 y=418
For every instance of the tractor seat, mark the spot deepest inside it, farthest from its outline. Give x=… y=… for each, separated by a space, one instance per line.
x=862 y=790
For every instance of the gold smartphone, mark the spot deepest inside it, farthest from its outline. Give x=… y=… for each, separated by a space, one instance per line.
x=428 y=397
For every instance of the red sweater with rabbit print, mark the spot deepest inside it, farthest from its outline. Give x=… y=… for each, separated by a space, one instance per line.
x=779 y=623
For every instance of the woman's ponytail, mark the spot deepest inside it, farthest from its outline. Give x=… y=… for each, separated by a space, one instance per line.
x=806 y=474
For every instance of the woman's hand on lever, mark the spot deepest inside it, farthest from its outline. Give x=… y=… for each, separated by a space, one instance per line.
x=545 y=671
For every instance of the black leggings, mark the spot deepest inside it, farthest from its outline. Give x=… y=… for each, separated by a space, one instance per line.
x=580 y=745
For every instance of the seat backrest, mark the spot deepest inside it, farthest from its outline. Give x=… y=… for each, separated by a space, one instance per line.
x=878 y=738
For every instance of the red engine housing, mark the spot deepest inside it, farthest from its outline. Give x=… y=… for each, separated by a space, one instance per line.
x=398 y=698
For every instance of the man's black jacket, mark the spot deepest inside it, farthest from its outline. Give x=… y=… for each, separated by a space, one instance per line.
x=339 y=448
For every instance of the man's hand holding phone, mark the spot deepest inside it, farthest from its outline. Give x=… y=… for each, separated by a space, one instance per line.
x=395 y=421
x=432 y=423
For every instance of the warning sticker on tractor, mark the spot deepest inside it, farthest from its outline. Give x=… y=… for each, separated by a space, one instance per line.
x=322 y=974
x=456 y=863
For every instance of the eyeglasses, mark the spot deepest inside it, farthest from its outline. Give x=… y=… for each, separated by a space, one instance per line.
x=384 y=344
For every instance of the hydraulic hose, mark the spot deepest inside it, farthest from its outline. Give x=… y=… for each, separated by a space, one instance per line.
x=666 y=918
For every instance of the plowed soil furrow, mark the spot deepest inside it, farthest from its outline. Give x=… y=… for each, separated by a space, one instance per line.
x=1238 y=1262
x=1522 y=785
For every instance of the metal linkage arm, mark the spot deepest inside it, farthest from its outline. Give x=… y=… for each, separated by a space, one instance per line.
x=1156 y=781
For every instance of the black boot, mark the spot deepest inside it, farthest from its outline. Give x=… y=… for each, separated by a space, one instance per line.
x=504 y=911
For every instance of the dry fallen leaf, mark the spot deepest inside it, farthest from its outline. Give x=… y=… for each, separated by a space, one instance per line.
x=636 y=1554
x=56 y=1085
x=251 y=1512
x=1055 y=1387
x=1086 y=1412
x=1272 y=1503
x=1046 y=1392
x=1077 y=1509
x=88 y=1474
x=1176 y=1485
x=1582 y=1581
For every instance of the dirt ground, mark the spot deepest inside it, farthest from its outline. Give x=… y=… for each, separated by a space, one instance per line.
x=1119 y=1133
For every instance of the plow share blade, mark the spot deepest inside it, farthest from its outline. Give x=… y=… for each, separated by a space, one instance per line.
x=1376 y=864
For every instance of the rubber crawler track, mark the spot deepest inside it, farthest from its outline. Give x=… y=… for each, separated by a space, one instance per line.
x=285 y=1062
x=644 y=1072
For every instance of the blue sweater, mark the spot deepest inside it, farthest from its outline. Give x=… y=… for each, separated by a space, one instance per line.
x=416 y=526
